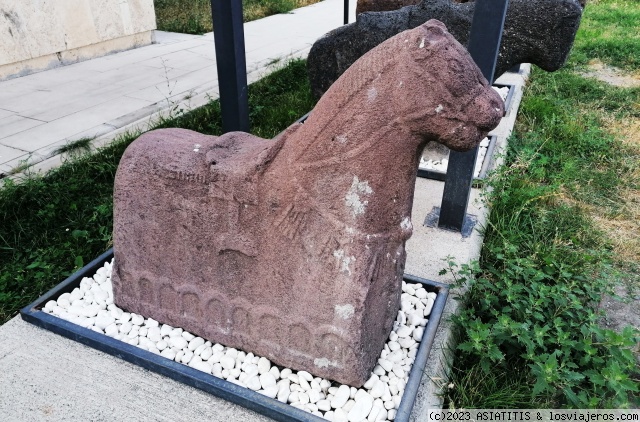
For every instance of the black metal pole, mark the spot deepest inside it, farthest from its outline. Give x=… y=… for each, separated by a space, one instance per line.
x=484 y=45
x=346 y=12
x=228 y=35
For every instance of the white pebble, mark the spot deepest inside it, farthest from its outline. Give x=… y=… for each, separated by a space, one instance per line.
x=126 y=327
x=187 y=336
x=178 y=342
x=168 y=353
x=397 y=369
x=362 y=407
x=323 y=405
x=417 y=333
x=428 y=307
x=195 y=343
x=377 y=390
x=304 y=383
x=104 y=321
x=293 y=397
x=305 y=375
x=143 y=331
x=404 y=331
x=206 y=353
x=371 y=381
x=217 y=355
x=406 y=342
x=111 y=330
x=227 y=362
x=165 y=330
x=284 y=373
x=349 y=405
x=187 y=356
x=340 y=415
x=284 y=391
x=267 y=380
x=385 y=364
x=216 y=370
x=392 y=414
x=271 y=392
x=303 y=398
x=275 y=372
x=341 y=397
x=263 y=365
x=314 y=395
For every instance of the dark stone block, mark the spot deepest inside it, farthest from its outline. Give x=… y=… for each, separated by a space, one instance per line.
x=535 y=31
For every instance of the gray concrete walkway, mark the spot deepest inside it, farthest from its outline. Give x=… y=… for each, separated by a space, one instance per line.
x=101 y=98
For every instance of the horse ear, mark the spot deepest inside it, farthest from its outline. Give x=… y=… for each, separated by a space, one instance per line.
x=435 y=29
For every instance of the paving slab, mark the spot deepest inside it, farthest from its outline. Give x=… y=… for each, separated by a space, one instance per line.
x=14 y=123
x=46 y=377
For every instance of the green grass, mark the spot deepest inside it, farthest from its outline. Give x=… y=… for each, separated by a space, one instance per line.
x=52 y=225
x=194 y=16
x=529 y=335
x=609 y=32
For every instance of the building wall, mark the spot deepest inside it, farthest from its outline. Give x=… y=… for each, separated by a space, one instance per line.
x=41 y=34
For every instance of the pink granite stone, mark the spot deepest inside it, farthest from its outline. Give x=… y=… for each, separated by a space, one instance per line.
x=293 y=248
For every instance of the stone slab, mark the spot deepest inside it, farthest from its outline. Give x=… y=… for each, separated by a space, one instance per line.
x=41 y=30
x=46 y=377
x=14 y=123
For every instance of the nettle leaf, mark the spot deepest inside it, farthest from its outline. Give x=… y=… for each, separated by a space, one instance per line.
x=540 y=386
x=495 y=354
x=572 y=397
x=573 y=376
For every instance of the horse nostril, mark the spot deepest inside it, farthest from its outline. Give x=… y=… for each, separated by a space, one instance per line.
x=488 y=110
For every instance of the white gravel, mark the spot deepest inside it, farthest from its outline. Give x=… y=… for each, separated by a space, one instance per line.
x=441 y=165
x=91 y=306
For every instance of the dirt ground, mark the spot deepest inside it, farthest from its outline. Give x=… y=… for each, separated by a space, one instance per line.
x=623 y=309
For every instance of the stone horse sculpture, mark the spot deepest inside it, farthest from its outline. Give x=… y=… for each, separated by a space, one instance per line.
x=535 y=31
x=293 y=247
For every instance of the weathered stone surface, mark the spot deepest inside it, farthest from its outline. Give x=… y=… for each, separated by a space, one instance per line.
x=535 y=31
x=293 y=248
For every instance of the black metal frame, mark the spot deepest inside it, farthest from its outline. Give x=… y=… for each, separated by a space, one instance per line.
x=228 y=35
x=346 y=12
x=216 y=386
x=484 y=45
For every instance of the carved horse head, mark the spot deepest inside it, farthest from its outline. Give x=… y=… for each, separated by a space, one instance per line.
x=373 y=123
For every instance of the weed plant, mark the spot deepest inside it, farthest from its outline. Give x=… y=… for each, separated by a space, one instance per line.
x=194 y=16
x=529 y=332
x=53 y=225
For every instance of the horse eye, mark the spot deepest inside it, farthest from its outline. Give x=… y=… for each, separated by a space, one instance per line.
x=461 y=79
